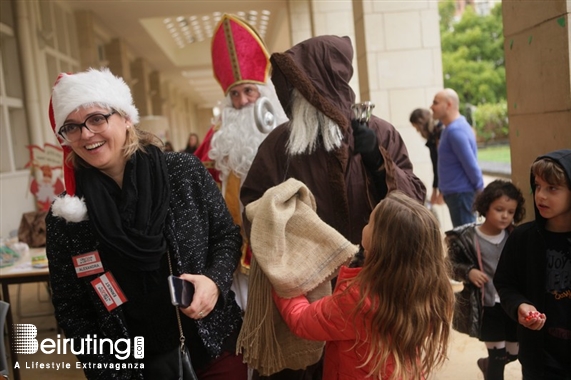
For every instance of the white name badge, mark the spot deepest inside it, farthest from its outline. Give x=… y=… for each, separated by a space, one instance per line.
x=88 y=264
x=109 y=291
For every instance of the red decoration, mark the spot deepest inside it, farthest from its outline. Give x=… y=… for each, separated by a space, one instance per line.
x=238 y=54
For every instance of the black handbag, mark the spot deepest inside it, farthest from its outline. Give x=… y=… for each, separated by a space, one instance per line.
x=175 y=364
x=469 y=305
x=172 y=365
x=468 y=311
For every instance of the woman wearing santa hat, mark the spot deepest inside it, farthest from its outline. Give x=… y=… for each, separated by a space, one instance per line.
x=130 y=216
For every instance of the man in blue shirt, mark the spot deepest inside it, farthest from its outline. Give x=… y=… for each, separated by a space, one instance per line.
x=460 y=177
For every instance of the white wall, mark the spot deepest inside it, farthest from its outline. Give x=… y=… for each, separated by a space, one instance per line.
x=15 y=199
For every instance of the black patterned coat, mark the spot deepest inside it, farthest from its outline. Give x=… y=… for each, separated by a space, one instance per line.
x=201 y=236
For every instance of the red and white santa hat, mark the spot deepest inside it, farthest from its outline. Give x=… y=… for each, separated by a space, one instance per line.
x=87 y=88
x=239 y=54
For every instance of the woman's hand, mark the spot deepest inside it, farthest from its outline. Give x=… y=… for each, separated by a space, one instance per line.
x=205 y=296
x=528 y=316
x=436 y=198
x=477 y=277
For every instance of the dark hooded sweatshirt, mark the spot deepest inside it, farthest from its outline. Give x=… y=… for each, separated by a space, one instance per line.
x=320 y=69
x=535 y=268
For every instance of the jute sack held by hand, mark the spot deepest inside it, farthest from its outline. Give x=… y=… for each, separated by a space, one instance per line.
x=296 y=253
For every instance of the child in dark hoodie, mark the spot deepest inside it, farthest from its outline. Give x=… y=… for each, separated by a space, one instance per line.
x=533 y=277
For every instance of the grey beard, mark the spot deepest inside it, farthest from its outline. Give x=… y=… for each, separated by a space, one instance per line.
x=235 y=144
x=307 y=125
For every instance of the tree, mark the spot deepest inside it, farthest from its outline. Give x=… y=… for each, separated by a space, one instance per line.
x=472 y=54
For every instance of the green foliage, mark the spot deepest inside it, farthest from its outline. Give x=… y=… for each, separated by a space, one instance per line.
x=491 y=121
x=472 y=54
x=473 y=65
x=446 y=10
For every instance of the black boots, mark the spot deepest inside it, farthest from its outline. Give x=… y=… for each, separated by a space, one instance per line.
x=493 y=366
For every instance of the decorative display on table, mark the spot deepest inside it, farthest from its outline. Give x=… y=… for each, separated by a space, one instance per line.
x=46 y=170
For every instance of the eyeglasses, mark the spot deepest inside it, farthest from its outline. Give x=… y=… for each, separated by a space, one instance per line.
x=95 y=123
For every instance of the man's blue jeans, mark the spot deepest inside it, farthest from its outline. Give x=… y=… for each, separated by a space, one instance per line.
x=460 y=206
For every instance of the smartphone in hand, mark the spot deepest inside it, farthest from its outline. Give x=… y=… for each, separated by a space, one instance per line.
x=181 y=291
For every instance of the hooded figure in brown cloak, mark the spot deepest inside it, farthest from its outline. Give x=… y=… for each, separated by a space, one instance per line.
x=315 y=74
x=347 y=165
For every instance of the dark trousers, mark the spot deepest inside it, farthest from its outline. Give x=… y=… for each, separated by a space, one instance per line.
x=313 y=372
x=548 y=373
x=225 y=367
x=460 y=207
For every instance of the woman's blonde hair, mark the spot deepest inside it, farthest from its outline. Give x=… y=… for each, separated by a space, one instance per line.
x=137 y=139
x=405 y=278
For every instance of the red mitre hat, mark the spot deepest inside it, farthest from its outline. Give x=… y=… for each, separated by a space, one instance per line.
x=238 y=54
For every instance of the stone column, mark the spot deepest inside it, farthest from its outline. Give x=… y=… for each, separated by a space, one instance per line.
x=399 y=56
x=141 y=89
x=86 y=40
x=157 y=101
x=116 y=53
x=400 y=66
x=300 y=15
x=538 y=71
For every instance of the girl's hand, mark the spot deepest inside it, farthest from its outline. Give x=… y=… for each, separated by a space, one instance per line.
x=205 y=296
x=529 y=317
x=477 y=277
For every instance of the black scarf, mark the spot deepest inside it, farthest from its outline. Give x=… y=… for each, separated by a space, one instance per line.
x=129 y=221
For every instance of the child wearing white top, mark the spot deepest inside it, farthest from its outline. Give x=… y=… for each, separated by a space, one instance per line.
x=474 y=251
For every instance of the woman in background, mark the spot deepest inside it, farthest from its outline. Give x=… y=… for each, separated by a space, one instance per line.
x=421 y=120
x=192 y=144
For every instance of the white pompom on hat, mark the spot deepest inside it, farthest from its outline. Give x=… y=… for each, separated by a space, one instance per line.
x=72 y=91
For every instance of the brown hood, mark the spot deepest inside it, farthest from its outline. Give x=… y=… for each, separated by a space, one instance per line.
x=320 y=69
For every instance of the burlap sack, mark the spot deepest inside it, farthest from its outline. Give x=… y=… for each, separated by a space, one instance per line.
x=296 y=253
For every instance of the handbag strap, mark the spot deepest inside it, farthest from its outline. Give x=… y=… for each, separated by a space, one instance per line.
x=479 y=256
x=182 y=337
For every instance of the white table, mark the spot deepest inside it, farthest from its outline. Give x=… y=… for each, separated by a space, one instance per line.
x=21 y=272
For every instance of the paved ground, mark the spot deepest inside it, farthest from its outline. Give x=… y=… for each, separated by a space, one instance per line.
x=500 y=169
x=461 y=365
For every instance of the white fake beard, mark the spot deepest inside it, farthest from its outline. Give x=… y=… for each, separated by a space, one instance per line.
x=235 y=144
x=307 y=125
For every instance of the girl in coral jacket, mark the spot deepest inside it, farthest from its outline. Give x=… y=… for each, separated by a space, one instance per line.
x=389 y=318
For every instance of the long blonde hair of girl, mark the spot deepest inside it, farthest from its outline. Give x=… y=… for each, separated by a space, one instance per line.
x=405 y=278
